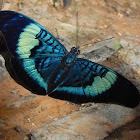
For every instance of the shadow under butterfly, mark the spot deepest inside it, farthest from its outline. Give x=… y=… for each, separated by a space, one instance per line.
x=41 y=64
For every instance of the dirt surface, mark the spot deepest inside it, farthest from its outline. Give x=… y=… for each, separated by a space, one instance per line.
x=20 y=110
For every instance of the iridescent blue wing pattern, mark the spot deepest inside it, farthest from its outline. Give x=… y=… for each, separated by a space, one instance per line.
x=35 y=53
x=44 y=66
x=88 y=81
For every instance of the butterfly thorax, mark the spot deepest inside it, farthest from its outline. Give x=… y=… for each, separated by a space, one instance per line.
x=75 y=50
x=70 y=58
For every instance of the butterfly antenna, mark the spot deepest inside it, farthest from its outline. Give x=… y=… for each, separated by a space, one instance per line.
x=77 y=30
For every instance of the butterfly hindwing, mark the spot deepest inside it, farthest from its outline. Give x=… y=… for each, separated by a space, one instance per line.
x=108 y=85
x=35 y=53
x=90 y=82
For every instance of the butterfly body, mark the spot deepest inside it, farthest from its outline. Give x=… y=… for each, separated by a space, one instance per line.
x=61 y=72
x=44 y=66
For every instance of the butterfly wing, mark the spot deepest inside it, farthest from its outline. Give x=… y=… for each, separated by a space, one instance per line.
x=92 y=82
x=34 y=52
x=23 y=33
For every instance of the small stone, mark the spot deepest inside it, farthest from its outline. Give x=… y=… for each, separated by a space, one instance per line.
x=18 y=129
x=33 y=124
x=49 y=116
x=29 y=120
x=14 y=91
x=120 y=34
x=55 y=119
x=120 y=15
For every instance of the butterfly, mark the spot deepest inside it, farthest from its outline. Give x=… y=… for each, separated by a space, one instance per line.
x=45 y=67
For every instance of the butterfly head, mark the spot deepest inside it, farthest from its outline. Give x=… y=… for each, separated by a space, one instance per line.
x=75 y=50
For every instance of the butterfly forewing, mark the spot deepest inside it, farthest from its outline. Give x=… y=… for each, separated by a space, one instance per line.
x=23 y=34
x=35 y=53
